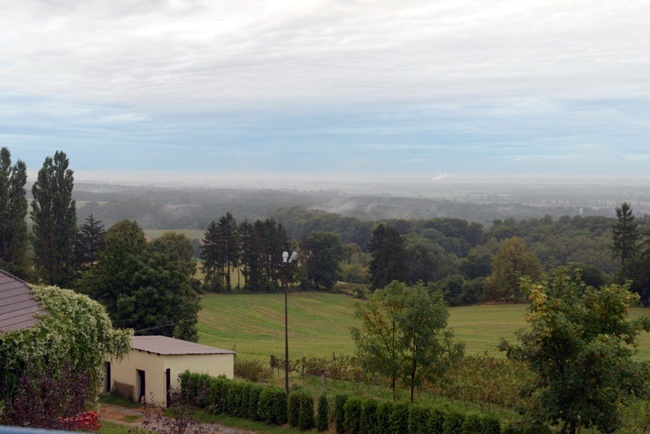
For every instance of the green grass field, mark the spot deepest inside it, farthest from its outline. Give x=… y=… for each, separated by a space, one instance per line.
x=190 y=233
x=319 y=325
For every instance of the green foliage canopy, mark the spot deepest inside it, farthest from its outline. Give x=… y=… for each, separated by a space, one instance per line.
x=581 y=346
x=512 y=261
x=404 y=335
x=388 y=263
x=322 y=253
x=146 y=286
x=75 y=329
x=55 y=221
x=13 y=210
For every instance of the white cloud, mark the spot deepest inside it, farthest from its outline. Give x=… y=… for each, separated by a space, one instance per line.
x=220 y=53
x=125 y=118
x=381 y=84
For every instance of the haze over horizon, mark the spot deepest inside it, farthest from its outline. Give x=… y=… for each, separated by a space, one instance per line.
x=358 y=91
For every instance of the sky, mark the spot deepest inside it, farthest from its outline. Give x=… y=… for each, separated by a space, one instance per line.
x=221 y=92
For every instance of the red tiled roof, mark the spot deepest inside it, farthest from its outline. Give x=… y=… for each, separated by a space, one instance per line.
x=169 y=346
x=18 y=308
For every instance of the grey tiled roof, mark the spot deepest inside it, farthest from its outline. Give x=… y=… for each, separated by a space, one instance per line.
x=169 y=346
x=18 y=308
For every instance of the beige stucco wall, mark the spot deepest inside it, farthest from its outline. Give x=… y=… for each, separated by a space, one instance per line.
x=125 y=381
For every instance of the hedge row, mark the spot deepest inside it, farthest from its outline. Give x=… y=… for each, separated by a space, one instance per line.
x=240 y=399
x=353 y=415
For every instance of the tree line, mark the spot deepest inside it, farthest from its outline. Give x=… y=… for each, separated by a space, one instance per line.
x=146 y=286
x=465 y=261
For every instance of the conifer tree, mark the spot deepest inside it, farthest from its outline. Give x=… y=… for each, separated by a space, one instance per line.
x=625 y=234
x=230 y=245
x=210 y=253
x=90 y=240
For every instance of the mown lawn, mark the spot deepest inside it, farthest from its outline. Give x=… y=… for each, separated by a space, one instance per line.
x=319 y=325
x=190 y=233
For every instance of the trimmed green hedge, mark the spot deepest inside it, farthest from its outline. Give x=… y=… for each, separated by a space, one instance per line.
x=323 y=418
x=236 y=398
x=301 y=410
x=339 y=413
x=352 y=415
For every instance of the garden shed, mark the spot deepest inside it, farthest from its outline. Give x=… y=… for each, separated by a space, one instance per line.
x=155 y=363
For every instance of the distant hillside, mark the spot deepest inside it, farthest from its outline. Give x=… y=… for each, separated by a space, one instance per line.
x=193 y=208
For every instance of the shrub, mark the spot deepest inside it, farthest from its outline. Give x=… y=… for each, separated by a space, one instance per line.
x=522 y=428
x=436 y=421
x=265 y=405
x=48 y=397
x=419 y=417
x=185 y=379
x=368 y=422
x=245 y=397
x=384 y=411
x=280 y=406
x=253 y=401
x=322 y=420
x=453 y=423
x=252 y=370
x=234 y=398
x=218 y=394
x=294 y=407
x=306 y=411
x=352 y=415
x=473 y=424
x=272 y=406
x=491 y=424
x=195 y=388
x=399 y=418
x=339 y=414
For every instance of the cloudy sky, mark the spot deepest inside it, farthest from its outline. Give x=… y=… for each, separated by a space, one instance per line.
x=240 y=90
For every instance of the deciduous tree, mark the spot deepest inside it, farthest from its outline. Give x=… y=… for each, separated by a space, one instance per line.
x=511 y=262
x=322 y=253
x=123 y=241
x=404 y=335
x=581 y=346
x=55 y=221
x=388 y=256
x=428 y=346
x=13 y=210
x=146 y=287
x=159 y=299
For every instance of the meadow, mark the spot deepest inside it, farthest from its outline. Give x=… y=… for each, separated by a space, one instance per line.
x=190 y=233
x=319 y=325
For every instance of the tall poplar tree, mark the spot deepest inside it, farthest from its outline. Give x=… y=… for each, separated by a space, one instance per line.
x=13 y=210
x=55 y=221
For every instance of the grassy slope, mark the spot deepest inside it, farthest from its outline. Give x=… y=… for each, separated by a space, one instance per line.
x=190 y=233
x=319 y=325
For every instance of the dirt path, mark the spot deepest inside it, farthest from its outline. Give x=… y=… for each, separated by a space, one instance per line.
x=132 y=417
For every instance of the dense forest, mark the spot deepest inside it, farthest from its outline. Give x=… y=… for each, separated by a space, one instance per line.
x=444 y=246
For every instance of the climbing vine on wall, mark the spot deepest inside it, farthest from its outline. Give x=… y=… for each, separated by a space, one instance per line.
x=76 y=329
